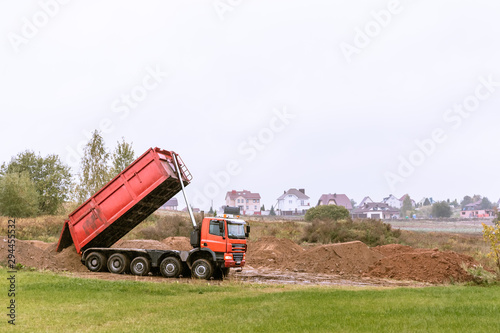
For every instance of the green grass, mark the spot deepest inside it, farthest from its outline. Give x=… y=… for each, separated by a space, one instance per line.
x=48 y=302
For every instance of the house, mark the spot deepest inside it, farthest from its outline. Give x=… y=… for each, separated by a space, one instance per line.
x=248 y=202
x=170 y=204
x=474 y=210
x=422 y=202
x=293 y=202
x=402 y=200
x=375 y=210
x=195 y=210
x=335 y=199
x=365 y=200
x=392 y=201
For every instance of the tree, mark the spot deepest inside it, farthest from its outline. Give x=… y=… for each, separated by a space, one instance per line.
x=122 y=157
x=18 y=195
x=211 y=211
x=441 y=209
x=262 y=208
x=272 y=212
x=427 y=202
x=52 y=178
x=491 y=235
x=486 y=204
x=353 y=203
x=94 y=172
x=407 y=206
x=466 y=200
x=327 y=212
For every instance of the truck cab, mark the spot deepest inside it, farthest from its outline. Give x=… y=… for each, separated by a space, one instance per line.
x=221 y=241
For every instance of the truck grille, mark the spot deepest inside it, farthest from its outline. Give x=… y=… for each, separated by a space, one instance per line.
x=238 y=247
x=238 y=256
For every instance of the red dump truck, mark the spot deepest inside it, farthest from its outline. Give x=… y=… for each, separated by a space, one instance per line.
x=144 y=186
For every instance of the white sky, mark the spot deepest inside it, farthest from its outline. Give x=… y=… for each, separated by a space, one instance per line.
x=352 y=120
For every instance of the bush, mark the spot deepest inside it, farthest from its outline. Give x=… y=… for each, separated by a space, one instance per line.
x=18 y=195
x=441 y=209
x=327 y=212
x=371 y=232
x=167 y=226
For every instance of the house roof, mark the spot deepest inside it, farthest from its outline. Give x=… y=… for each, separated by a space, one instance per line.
x=365 y=199
x=171 y=202
x=294 y=191
x=245 y=194
x=339 y=199
x=375 y=206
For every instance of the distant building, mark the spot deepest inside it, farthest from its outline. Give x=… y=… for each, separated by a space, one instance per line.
x=365 y=200
x=392 y=201
x=171 y=204
x=473 y=210
x=195 y=210
x=293 y=202
x=375 y=210
x=402 y=200
x=248 y=202
x=335 y=199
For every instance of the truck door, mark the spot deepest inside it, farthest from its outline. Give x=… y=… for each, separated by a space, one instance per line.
x=216 y=239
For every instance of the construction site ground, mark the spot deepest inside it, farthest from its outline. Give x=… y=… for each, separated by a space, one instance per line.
x=281 y=261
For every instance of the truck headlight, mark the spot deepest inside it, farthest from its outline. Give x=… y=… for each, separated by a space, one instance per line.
x=228 y=257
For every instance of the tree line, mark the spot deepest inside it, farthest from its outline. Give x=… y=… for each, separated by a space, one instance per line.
x=32 y=185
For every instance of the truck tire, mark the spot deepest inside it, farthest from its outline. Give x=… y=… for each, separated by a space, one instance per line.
x=118 y=263
x=202 y=269
x=140 y=266
x=170 y=267
x=96 y=262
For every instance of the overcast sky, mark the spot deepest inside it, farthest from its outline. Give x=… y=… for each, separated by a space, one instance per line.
x=355 y=97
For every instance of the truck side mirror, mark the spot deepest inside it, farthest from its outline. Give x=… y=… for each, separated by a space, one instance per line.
x=248 y=231
x=221 y=228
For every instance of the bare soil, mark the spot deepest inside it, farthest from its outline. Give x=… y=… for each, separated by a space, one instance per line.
x=273 y=260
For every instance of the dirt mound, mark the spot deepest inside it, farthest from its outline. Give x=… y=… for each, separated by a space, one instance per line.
x=422 y=265
x=178 y=243
x=271 y=252
x=343 y=258
x=147 y=244
x=43 y=255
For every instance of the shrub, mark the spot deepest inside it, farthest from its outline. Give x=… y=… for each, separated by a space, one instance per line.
x=18 y=195
x=371 y=232
x=167 y=226
x=327 y=212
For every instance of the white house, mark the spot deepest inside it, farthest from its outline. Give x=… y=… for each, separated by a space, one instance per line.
x=392 y=201
x=293 y=202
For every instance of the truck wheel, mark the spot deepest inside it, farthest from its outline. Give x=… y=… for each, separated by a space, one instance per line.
x=202 y=269
x=118 y=263
x=170 y=267
x=140 y=266
x=96 y=262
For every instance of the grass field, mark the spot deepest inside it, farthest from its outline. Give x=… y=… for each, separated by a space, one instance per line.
x=47 y=302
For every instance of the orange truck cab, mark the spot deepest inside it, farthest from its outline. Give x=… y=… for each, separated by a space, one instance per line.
x=225 y=237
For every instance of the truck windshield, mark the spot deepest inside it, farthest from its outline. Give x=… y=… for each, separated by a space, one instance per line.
x=235 y=230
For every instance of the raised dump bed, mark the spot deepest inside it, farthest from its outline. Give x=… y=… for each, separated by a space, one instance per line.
x=124 y=202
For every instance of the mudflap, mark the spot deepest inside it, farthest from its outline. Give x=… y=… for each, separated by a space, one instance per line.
x=65 y=240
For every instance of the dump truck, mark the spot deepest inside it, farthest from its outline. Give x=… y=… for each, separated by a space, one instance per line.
x=219 y=243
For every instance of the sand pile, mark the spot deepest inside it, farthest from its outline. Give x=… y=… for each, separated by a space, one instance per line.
x=355 y=258
x=177 y=243
x=421 y=265
x=43 y=255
